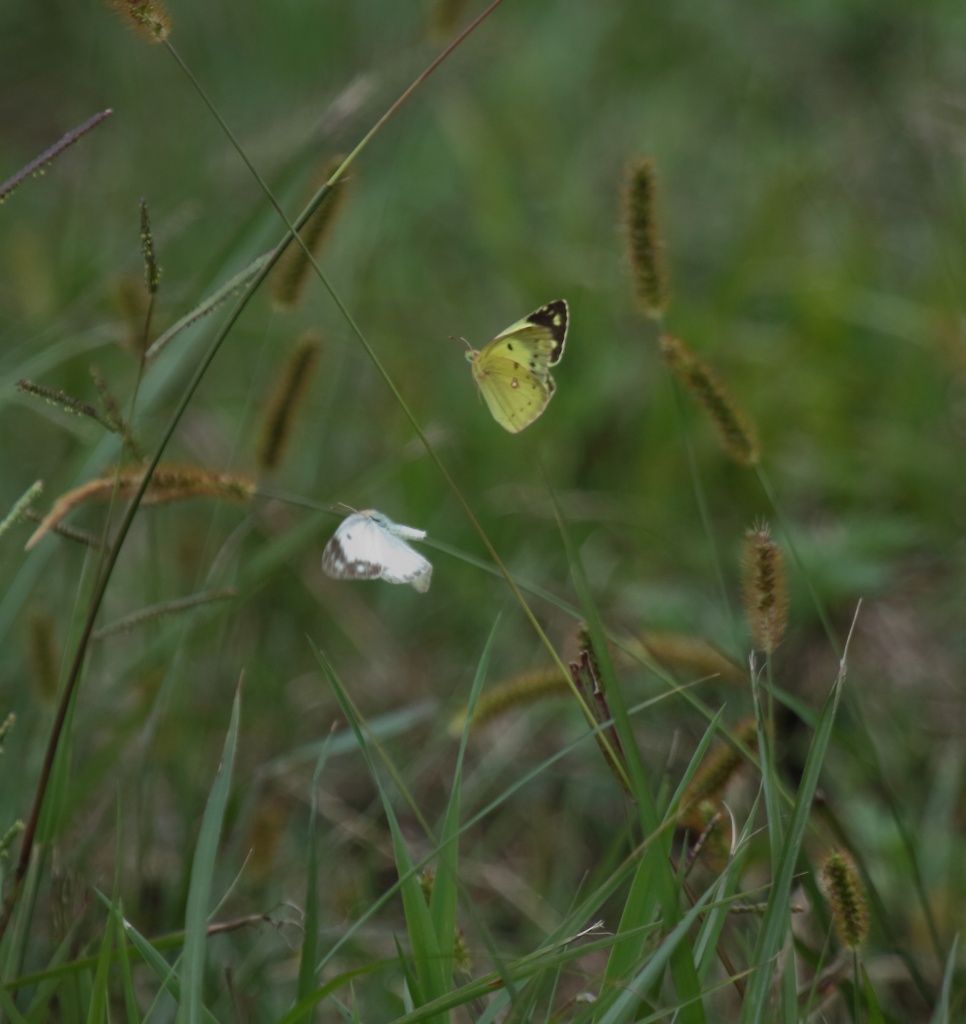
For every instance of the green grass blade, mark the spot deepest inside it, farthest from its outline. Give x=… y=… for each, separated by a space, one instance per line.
x=414 y=989
x=97 y=1010
x=211 y=302
x=297 y=1012
x=654 y=873
x=639 y=910
x=9 y=1008
x=941 y=1013
x=100 y=994
x=770 y=781
x=165 y=973
x=442 y=903
x=202 y=874
x=48 y=982
x=427 y=953
x=310 y=944
x=695 y=763
x=775 y=923
x=56 y=800
x=15 y=941
x=788 y=991
x=705 y=945
x=875 y=1014
x=624 y=1002
x=131 y=1014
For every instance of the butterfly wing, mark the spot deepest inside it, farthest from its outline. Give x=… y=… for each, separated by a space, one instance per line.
x=514 y=394
x=403 y=564
x=366 y=547
x=513 y=370
x=355 y=549
x=542 y=335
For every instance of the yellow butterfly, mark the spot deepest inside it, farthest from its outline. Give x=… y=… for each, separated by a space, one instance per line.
x=513 y=370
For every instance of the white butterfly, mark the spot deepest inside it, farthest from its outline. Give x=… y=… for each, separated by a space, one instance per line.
x=370 y=546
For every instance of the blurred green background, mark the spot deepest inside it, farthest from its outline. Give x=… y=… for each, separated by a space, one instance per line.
x=811 y=168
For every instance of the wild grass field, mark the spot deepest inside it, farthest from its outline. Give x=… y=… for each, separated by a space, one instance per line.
x=677 y=731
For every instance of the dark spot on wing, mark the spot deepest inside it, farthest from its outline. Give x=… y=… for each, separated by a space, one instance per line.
x=554 y=316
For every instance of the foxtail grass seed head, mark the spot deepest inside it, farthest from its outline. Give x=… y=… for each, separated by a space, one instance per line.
x=157 y=611
x=109 y=404
x=112 y=413
x=147 y=17
x=69 y=403
x=735 y=431
x=765 y=585
x=845 y=893
x=152 y=272
x=84 y=537
x=462 y=957
x=513 y=692
x=641 y=216
x=168 y=483
x=691 y=655
x=287 y=394
x=292 y=272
